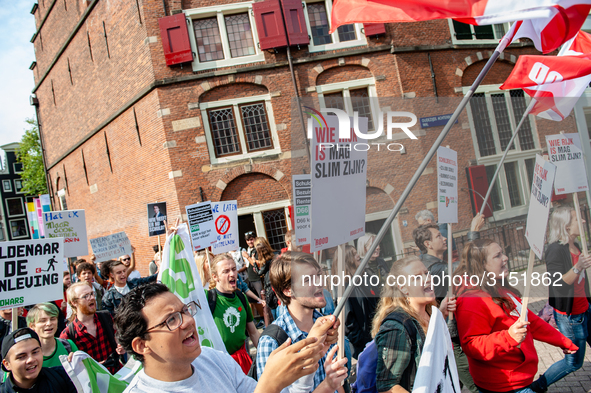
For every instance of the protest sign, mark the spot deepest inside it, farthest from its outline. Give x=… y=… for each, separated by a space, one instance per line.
x=447 y=185
x=33 y=223
x=71 y=225
x=201 y=225
x=225 y=219
x=302 y=199
x=338 y=185
x=179 y=273
x=156 y=218
x=30 y=272
x=565 y=151
x=39 y=216
x=110 y=246
x=437 y=371
x=539 y=204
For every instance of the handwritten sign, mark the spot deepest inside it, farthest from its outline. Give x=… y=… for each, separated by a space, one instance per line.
x=110 y=246
x=564 y=151
x=225 y=218
x=302 y=201
x=71 y=225
x=156 y=218
x=539 y=204
x=201 y=225
x=30 y=272
x=339 y=175
x=447 y=185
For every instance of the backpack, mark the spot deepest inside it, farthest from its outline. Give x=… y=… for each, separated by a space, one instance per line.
x=368 y=359
x=212 y=299
x=277 y=334
x=270 y=296
x=66 y=344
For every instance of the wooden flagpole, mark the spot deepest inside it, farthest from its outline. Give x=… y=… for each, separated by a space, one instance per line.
x=340 y=270
x=525 y=298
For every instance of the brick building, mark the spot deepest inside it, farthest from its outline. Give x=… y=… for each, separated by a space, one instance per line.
x=121 y=128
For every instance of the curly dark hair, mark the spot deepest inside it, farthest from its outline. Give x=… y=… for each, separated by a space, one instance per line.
x=107 y=266
x=85 y=266
x=129 y=321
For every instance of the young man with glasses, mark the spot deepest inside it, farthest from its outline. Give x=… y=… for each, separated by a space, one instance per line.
x=92 y=331
x=121 y=285
x=159 y=331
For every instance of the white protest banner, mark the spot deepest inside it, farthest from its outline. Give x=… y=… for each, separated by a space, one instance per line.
x=565 y=151
x=225 y=219
x=71 y=225
x=200 y=217
x=179 y=273
x=30 y=272
x=156 y=218
x=110 y=246
x=539 y=204
x=302 y=199
x=437 y=371
x=447 y=185
x=338 y=185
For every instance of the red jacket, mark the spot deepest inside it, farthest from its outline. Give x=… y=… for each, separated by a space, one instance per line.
x=496 y=362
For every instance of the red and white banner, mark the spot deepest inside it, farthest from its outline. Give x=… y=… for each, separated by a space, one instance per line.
x=478 y=12
x=555 y=82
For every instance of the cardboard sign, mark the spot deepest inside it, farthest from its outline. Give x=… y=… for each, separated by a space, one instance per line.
x=539 y=204
x=302 y=201
x=110 y=246
x=201 y=225
x=71 y=225
x=225 y=218
x=447 y=185
x=339 y=175
x=30 y=272
x=156 y=218
x=565 y=151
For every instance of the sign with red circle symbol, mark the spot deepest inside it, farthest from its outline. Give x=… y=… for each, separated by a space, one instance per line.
x=222 y=224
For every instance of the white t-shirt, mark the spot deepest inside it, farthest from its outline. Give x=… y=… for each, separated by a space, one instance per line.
x=134 y=274
x=124 y=290
x=213 y=371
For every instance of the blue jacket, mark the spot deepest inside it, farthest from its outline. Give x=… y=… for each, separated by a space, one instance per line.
x=112 y=298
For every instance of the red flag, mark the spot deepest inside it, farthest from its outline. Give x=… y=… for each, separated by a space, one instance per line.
x=555 y=82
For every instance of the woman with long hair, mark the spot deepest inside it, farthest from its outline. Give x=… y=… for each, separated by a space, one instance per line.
x=570 y=295
x=361 y=305
x=500 y=348
x=264 y=257
x=377 y=265
x=409 y=298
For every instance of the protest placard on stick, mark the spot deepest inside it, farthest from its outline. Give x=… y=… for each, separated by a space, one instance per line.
x=71 y=225
x=302 y=200
x=225 y=218
x=201 y=225
x=110 y=246
x=156 y=218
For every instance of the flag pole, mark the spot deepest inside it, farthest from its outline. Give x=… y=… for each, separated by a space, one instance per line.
x=450 y=289
x=500 y=164
x=380 y=235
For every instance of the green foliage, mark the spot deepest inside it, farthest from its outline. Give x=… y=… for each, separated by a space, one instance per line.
x=29 y=154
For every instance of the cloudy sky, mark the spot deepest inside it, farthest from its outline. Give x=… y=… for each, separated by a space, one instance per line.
x=17 y=26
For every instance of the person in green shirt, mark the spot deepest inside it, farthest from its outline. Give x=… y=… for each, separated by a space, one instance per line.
x=43 y=320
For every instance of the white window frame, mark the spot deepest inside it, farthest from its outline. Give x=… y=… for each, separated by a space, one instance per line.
x=515 y=155
x=361 y=39
x=345 y=87
x=22 y=205
x=394 y=226
x=26 y=228
x=235 y=102
x=257 y=212
x=6 y=181
x=220 y=11
x=474 y=40
x=16 y=191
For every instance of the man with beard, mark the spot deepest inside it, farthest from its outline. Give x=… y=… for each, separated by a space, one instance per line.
x=231 y=313
x=92 y=331
x=160 y=332
x=294 y=278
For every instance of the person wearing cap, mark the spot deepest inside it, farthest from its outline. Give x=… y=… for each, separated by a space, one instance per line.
x=6 y=322
x=22 y=358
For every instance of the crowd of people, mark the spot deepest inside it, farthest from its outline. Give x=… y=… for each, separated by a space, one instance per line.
x=275 y=301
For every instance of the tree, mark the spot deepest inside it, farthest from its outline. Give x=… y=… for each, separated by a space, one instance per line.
x=29 y=154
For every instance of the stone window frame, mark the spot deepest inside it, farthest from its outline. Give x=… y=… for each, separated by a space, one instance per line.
x=516 y=155
x=220 y=11
x=474 y=40
x=360 y=41
x=235 y=103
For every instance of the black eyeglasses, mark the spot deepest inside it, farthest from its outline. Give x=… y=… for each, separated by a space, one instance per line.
x=126 y=259
x=174 y=321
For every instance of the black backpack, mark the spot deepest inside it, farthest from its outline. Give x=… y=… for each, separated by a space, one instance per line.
x=277 y=334
x=212 y=298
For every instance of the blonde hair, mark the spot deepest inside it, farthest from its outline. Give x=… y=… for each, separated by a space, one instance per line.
x=71 y=294
x=559 y=220
x=364 y=243
x=204 y=270
x=393 y=298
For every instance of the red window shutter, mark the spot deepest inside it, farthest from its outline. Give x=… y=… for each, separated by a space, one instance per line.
x=374 y=29
x=175 y=39
x=295 y=23
x=267 y=16
x=478 y=186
